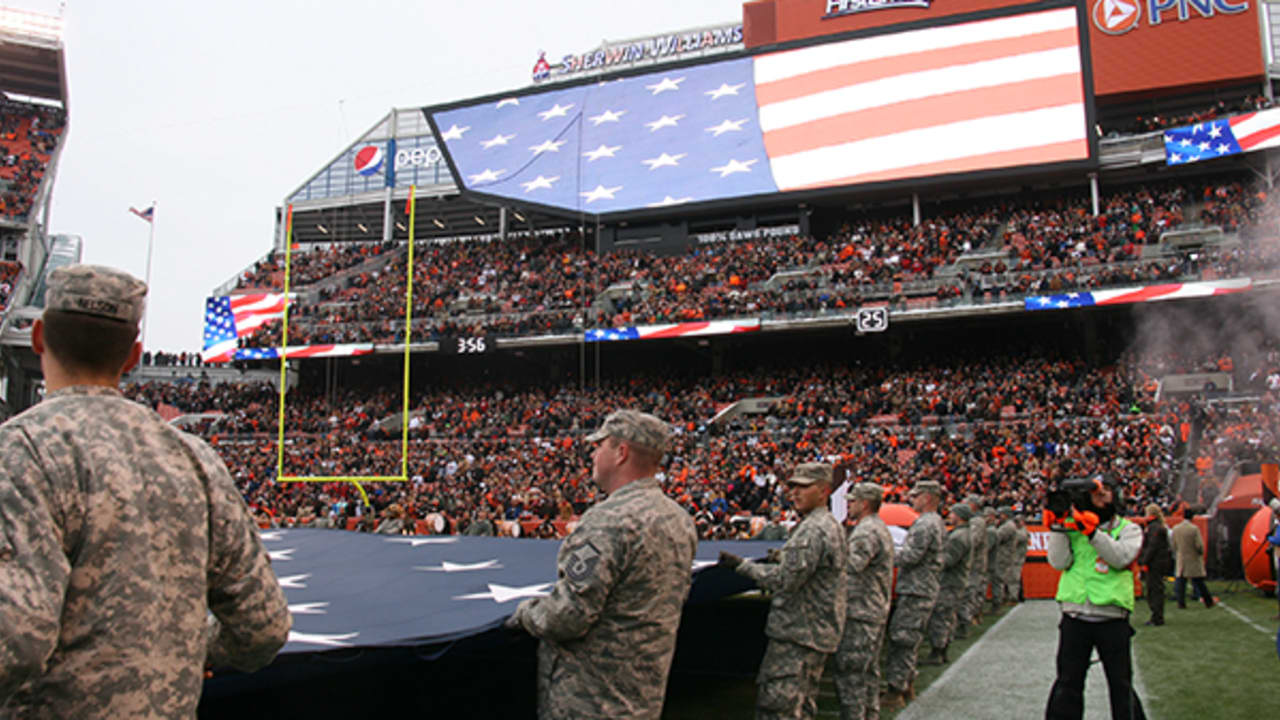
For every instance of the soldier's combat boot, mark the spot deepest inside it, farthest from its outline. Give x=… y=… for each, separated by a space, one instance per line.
x=891 y=700
x=910 y=693
x=936 y=657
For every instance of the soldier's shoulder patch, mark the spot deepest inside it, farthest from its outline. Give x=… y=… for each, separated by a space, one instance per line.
x=581 y=563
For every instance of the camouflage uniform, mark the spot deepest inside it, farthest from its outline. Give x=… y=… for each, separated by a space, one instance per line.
x=919 y=565
x=956 y=556
x=1021 y=542
x=118 y=535
x=1007 y=555
x=977 y=585
x=806 y=615
x=994 y=579
x=608 y=628
x=857 y=659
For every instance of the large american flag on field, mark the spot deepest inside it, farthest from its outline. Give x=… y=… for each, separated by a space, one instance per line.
x=985 y=94
x=1222 y=137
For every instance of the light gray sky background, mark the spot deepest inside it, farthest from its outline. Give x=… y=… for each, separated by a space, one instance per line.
x=217 y=110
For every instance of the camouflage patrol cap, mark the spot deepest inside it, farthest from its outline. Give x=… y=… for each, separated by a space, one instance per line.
x=989 y=511
x=810 y=473
x=636 y=428
x=926 y=486
x=974 y=499
x=96 y=290
x=866 y=491
x=962 y=511
x=1006 y=510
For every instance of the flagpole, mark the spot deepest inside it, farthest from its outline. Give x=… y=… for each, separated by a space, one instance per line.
x=151 y=241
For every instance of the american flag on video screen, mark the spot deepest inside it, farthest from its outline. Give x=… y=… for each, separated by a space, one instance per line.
x=972 y=96
x=228 y=318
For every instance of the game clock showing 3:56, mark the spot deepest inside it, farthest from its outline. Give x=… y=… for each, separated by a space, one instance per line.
x=467 y=345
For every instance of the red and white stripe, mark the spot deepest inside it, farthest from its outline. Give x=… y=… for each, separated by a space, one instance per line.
x=254 y=310
x=1258 y=130
x=972 y=96
x=690 y=329
x=1173 y=291
x=313 y=351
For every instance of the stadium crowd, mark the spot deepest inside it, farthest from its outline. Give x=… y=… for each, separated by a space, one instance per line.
x=553 y=284
x=1160 y=121
x=9 y=271
x=28 y=136
x=489 y=455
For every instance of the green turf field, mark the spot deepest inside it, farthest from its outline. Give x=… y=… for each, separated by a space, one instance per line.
x=1218 y=663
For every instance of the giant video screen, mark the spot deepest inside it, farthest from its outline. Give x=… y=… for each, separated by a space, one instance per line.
x=999 y=92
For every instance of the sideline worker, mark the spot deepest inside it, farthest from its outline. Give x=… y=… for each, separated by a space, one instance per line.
x=118 y=533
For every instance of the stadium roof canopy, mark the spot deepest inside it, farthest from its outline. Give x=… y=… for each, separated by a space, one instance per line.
x=31 y=59
x=346 y=200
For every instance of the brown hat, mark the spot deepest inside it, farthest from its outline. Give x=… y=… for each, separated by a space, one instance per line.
x=926 y=486
x=634 y=427
x=96 y=290
x=810 y=473
x=866 y=491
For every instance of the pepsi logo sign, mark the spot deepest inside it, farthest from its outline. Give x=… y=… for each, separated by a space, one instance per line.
x=368 y=160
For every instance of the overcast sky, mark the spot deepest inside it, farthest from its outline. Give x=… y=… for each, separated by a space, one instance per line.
x=216 y=111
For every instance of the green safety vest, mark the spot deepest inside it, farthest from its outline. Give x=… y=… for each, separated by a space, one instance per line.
x=1091 y=579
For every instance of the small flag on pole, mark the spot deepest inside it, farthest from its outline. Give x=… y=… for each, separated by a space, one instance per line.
x=149 y=214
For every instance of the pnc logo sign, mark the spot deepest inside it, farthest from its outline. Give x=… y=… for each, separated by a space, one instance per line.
x=1117 y=17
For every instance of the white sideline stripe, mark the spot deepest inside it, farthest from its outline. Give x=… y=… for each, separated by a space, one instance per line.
x=1244 y=619
x=906 y=713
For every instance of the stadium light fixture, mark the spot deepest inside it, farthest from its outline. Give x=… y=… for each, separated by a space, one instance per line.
x=322 y=229
x=400 y=225
x=363 y=229
x=479 y=220
x=519 y=216
x=438 y=222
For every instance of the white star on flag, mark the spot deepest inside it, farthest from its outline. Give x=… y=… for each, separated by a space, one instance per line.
x=548 y=146
x=556 y=110
x=668 y=200
x=1175 y=158
x=600 y=193
x=733 y=166
x=724 y=89
x=664 y=121
x=607 y=116
x=498 y=139
x=1215 y=131
x=1063 y=304
x=505 y=593
x=269 y=536
x=1223 y=148
x=486 y=176
x=539 y=182
x=666 y=84
x=415 y=542
x=454 y=132
x=314 y=608
x=1186 y=142
x=293 y=582
x=449 y=567
x=663 y=160
x=321 y=638
x=1199 y=127
x=1205 y=146
x=726 y=126
x=508 y=101
x=281 y=555
x=601 y=152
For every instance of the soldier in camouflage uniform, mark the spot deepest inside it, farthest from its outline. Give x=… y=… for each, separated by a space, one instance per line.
x=977 y=585
x=1022 y=539
x=994 y=579
x=1007 y=555
x=118 y=533
x=608 y=628
x=857 y=660
x=919 y=565
x=956 y=556
x=807 y=614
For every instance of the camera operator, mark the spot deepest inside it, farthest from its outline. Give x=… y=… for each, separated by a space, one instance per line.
x=1094 y=547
